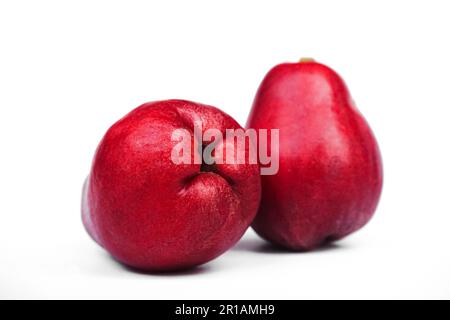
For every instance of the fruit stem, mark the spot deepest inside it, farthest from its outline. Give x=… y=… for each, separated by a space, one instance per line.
x=302 y=60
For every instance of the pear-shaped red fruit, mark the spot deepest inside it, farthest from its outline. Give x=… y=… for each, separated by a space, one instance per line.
x=330 y=172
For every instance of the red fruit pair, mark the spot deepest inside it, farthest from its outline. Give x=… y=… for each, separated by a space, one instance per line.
x=154 y=214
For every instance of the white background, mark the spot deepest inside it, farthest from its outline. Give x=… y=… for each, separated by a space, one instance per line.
x=68 y=70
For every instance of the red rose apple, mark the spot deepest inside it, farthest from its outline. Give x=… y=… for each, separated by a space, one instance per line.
x=330 y=174
x=153 y=214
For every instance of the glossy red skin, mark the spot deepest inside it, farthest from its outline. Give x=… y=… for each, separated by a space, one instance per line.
x=330 y=175
x=152 y=214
